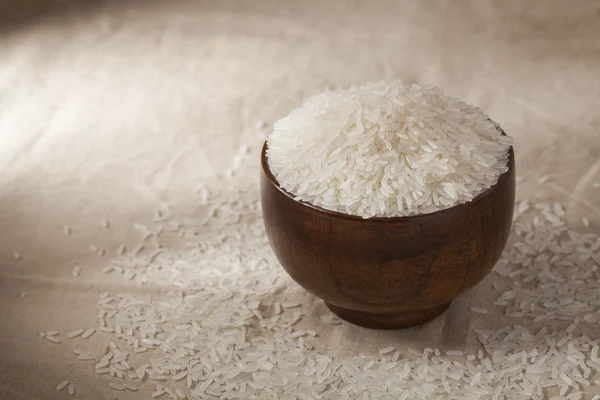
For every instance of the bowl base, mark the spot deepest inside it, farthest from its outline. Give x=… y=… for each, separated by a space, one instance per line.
x=404 y=319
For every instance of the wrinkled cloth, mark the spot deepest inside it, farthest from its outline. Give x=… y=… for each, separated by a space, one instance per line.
x=109 y=108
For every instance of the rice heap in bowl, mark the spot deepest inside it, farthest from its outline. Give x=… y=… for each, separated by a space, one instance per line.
x=386 y=150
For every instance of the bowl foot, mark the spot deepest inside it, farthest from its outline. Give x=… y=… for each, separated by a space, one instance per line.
x=403 y=319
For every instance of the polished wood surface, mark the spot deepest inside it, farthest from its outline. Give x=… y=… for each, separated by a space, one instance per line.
x=388 y=272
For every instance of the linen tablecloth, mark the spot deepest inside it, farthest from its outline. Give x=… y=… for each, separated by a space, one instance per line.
x=110 y=109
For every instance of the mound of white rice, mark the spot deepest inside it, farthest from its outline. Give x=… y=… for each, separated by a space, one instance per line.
x=386 y=150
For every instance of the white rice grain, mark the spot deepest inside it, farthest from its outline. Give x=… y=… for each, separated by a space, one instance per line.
x=130 y=386
x=116 y=386
x=88 y=332
x=76 y=270
x=479 y=310
x=544 y=179
x=75 y=333
x=85 y=356
x=585 y=222
x=52 y=339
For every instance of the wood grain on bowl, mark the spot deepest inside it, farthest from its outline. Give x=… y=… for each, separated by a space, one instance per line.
x=388 y=272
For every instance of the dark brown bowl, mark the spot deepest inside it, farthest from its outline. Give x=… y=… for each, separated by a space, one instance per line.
x=388 y=272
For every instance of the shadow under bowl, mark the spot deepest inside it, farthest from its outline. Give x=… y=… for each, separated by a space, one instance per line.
x=387 y=273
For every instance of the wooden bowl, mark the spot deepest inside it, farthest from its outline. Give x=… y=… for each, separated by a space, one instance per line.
x=388 y=272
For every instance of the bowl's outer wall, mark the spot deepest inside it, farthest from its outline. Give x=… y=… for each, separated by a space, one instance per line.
x=393 y=266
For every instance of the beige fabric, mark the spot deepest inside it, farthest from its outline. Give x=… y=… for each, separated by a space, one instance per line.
x=107 y=108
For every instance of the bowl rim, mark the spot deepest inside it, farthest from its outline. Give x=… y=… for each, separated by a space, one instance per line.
x=457 y=208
